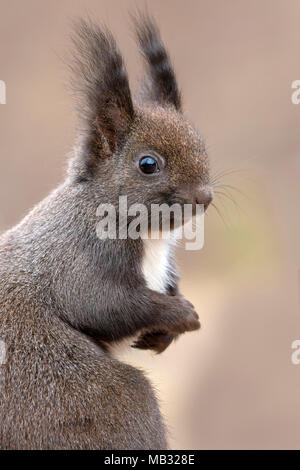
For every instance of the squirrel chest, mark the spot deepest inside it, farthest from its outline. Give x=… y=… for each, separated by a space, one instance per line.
x=156 y=264
x=156 y=270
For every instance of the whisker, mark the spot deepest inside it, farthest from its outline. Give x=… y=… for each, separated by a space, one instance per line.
x=238 y=209
x=233 y=188
x=220 y=215
x=228 y=196
x=223 y=173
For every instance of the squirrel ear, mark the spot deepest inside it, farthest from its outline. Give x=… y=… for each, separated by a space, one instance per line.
x=161 y=85
x=100 y=82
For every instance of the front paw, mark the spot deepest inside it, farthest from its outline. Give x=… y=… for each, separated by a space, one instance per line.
x=183 y=316
x=158 y=341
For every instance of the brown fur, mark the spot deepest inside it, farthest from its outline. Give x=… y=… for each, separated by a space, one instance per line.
x=65 y=294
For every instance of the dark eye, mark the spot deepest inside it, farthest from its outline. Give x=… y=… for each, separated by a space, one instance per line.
x=149 y=165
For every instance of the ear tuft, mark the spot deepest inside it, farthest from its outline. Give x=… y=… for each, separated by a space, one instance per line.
x=161 y=85
x=100 y=83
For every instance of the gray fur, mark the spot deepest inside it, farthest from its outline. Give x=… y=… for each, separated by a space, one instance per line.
x=65 y=295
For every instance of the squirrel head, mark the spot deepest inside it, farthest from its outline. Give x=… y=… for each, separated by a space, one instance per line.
x=141 y=147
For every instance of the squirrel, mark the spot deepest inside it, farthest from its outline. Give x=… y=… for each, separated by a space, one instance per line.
x=66 y=295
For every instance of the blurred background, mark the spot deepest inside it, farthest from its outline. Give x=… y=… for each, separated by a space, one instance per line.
x=232 y=385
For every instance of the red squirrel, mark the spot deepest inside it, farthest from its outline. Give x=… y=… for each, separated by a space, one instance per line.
x=66 y=295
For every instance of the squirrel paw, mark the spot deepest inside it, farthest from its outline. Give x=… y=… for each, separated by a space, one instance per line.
x=158 y=341
x=186 y=319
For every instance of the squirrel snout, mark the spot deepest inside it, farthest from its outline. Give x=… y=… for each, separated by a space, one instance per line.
x=204 y=195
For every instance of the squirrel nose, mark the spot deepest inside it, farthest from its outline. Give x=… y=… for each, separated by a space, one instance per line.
x=204 y=195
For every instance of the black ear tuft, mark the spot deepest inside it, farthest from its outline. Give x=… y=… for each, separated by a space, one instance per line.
x=162 y=85
x=100 y=82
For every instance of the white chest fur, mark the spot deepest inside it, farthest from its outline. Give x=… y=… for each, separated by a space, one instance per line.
x=156 y=271
x=155 y=265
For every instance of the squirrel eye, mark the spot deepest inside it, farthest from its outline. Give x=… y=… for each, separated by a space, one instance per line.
x=149 y=165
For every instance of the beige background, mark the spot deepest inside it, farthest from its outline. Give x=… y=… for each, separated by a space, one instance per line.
x=231 y=385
